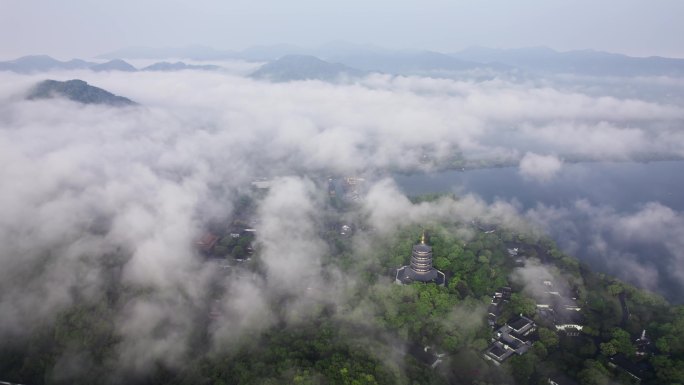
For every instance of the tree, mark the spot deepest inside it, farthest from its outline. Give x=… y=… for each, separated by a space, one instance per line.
x=522 y=305
x=228 y=242
x=478 y=344
x=474 y=246
x=672 y=340
x=548 y=337
x=669 y=371
x=220 y=250
x=455 y=250
x=587 y=348
x=663 y=344
x=539 y=349
x=615 y=289
x=522 y=367
x=608 y=349
x=451 y=343
x=622 y=342
x=442 y=263
x=594 y=373
x=479 y=281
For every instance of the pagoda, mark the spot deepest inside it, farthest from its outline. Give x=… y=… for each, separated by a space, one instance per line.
x=420 y=268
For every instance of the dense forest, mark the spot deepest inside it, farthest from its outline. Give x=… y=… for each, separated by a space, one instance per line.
x=376 y=333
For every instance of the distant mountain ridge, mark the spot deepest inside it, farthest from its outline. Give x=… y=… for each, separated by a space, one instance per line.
x=44 y=63
x=78 y=91
x=520 y=61
x=542 y=60
x=408 y=63
x=584 y=62
x=178 y=66
x=40 y=63
x=114 y=65
x=304 y=67
x=195 y=52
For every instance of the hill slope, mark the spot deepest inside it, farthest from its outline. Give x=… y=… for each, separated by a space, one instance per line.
x=178 y=66
x=408 y=63
x=114 y=65
x=78 y=91
x=584 y=62
x=303 y=67
x=40 y=63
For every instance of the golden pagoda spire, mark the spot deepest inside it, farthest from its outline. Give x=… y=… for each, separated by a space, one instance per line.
x=422 y=238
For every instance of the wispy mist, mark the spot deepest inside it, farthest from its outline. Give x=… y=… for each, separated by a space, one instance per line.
x=90 y=185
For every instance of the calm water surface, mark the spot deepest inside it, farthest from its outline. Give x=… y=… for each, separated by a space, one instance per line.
x=621 y=189
x=624 y=186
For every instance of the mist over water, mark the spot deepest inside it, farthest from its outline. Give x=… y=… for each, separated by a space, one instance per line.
x=584 y=207
x=224 y=192
x=621 y=185
x=104 y=205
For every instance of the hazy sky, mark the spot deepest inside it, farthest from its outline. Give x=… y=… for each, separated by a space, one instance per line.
x=85 y=27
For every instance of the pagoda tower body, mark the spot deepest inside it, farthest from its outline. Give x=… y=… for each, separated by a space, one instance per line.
x=420 y=268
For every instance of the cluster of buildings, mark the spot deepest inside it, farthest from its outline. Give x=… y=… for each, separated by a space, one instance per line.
x=487 y=228
x=262 y=184
x=350 y=186
x=345 y=230
x=501 y=296
x=207 y=242
x=560 y=308
x=515 y=337
x=426 y=354
x=347 y=188
x=514 y=252
x=218 y=241
x=557 y=308
x=637 y=369
x=643 y=345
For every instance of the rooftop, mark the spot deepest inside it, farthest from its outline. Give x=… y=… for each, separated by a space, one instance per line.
x=520 y=323
x=635 y=369
x=497 y=351
x=422 y=248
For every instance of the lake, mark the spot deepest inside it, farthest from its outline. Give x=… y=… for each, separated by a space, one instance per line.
x=611 y=190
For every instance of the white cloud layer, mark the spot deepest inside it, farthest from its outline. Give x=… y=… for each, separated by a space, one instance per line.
x=85 y=183
x=642 y=246
x=539 y=167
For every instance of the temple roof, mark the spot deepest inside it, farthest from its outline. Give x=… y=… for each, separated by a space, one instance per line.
x=421 y=247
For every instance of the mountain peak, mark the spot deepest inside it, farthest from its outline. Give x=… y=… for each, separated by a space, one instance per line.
x=114 y=65
x=303 y=67
x=76 y=90
x=179 y=66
